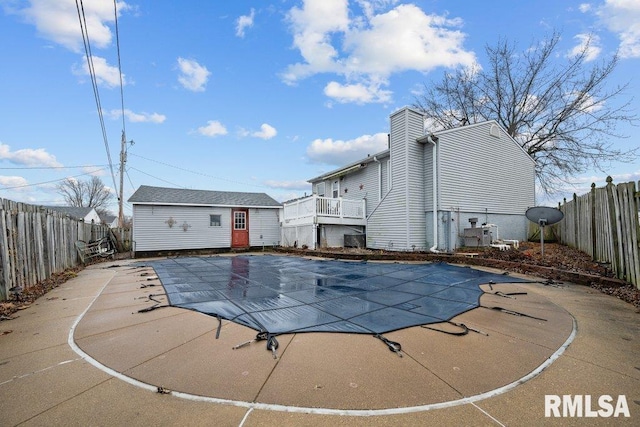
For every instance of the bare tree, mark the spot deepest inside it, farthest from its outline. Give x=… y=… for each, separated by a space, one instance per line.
x=91 y=193
x=563 y=114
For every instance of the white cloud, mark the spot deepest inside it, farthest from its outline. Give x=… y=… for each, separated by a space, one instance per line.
x=28 y=156
x=312 y=27
x=57 y=20
x=13 y=182
x=589 y=44
x=244 y=21
x=623 y=18
x=266 y=132
x=338 y=152
x=138 y=117
x=406 y=38
x=357 y=93
x=584 y=7
x=213 y=128
x=367 y=49
x=193 y=76
x=288 y=185
x=106 y=75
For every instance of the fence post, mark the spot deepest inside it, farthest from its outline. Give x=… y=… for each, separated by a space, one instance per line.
x=576 y=228
x=592 y=199
x=615 y=262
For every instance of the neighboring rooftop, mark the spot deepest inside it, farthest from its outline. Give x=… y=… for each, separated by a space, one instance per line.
x=161 y=195
x=72 y=211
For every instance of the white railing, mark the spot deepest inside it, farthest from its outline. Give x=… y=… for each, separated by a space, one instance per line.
x=324 y=206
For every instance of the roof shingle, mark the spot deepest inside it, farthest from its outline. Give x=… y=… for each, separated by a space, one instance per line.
x=159 y=195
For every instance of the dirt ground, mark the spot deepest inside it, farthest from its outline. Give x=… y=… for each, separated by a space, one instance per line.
x=556 y=256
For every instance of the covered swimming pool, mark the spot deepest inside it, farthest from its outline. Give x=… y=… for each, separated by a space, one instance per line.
x=280 y=294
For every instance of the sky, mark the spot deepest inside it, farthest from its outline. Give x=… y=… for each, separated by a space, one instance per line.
x=255 y=96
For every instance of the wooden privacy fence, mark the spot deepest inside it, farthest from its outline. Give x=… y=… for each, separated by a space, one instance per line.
x=37 y=242
x=604 y=223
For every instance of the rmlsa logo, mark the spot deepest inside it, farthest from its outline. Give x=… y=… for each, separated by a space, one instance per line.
x=579 y=405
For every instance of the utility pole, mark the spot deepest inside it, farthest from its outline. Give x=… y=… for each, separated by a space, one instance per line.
x=123 y=161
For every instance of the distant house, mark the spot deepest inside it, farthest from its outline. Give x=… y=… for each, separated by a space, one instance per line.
x=110 y=220
x=423 y=193
x=88 y=215
x=167 y=219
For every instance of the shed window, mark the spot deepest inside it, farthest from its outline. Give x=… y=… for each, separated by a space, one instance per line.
x=214 y=221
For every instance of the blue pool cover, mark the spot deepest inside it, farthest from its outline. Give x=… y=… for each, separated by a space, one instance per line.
x=281 y=294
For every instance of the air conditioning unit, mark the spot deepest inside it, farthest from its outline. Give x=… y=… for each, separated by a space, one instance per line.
x=355 y=241
x=477 y=236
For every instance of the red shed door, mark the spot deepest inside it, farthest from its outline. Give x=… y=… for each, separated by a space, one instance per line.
x=240 y=228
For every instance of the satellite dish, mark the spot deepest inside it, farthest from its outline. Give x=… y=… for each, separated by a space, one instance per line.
x=544 y=215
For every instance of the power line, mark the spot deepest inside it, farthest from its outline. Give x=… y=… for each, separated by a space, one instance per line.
x=159 y=179
x=130 y=181
x=94 y=83
x=55 y=167
x=115 y=13
x=199 y=173
x=54 y=180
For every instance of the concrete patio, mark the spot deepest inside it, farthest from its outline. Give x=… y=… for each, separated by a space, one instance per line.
x=84 y=355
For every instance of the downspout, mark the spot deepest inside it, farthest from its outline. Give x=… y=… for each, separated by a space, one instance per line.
x=375 y=159
x=433 y=139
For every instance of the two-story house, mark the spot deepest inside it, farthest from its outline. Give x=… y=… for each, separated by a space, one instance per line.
x=422 y=193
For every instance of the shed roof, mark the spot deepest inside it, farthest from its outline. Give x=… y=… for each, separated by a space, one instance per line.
x=146 y=194
x=72 y=211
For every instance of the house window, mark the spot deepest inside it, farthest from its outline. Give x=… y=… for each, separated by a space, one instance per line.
x=335 y=189
x=320 y=189
x=214 y=221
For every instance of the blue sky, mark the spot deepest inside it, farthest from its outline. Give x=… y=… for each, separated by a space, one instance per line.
x=252 y=95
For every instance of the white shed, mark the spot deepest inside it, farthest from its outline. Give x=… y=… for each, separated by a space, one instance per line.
x=169 y=219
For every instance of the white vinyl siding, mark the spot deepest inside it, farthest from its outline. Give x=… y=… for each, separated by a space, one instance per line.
x=479 y=172
x=415 y=183
x=389 y=226
x=151 y=231
x=264 y=227
x=362 y=184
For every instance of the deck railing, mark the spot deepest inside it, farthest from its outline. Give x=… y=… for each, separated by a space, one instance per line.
x=324 y=206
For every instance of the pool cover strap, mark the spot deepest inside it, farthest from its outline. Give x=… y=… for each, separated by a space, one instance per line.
x=514 y=313
x=154 y=306
x=464 y=329
x=508 y=294
x=219 y=326
x=260 y=336
x=272 y=344
x=393 y=346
